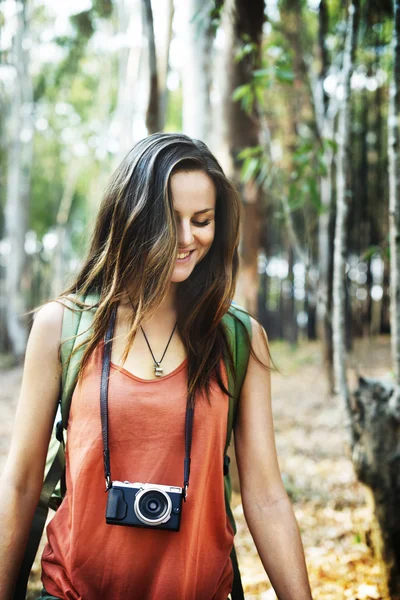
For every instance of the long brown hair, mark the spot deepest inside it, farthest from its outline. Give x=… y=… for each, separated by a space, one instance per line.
x=134 y=247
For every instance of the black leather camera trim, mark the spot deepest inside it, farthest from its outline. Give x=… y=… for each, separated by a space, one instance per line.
x=117 y=508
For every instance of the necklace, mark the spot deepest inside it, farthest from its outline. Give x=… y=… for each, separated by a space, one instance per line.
x=158 y=370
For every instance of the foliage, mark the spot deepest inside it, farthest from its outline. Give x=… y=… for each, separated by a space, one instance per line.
x=290 y=161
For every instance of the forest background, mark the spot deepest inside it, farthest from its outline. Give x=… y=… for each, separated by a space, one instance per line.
x=299 y=100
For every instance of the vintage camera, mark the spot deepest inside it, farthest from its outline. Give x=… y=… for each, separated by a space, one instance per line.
x=144 y=505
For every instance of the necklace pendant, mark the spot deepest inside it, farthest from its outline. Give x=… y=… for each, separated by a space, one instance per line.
x=158 y=370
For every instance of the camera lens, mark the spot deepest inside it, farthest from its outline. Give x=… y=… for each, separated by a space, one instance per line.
x=152 y=506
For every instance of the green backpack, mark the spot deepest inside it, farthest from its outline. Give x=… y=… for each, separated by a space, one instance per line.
x=235 y=321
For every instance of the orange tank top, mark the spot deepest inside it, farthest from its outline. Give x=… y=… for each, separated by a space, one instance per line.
x=87 y=559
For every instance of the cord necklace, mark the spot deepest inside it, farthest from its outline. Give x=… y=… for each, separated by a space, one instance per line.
x=158 y=370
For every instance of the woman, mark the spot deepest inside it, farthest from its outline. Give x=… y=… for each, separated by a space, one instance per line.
x=163 y=262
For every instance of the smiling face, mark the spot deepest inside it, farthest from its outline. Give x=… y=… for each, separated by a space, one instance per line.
x=194 y=198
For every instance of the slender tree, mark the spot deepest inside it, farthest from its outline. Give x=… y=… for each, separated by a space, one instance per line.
x=153 y=109
x=342 y=200
x=325 y=112
x=64 y=210
x=394 y=195
x=19 y=162
x=130 y=58
x=163 y=44
x=242 y=21
x=196 y=80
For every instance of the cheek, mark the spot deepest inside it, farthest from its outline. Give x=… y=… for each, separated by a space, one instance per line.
x=207 y=237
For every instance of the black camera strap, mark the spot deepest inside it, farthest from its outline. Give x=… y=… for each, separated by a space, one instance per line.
x=105 y=374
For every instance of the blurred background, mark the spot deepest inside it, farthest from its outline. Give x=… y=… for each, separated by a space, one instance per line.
x=299 y=100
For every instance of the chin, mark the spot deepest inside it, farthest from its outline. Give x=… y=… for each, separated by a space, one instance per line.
x=183 y=272
x=179 y=277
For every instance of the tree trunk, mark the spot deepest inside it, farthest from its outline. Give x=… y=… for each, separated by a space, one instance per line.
x=385 y=304
x=58 y=282
x=376 y=458
x=368 y=323
x=394 y=196
x=130 y=92
x=340 y=249
x=197 y=70
x=325 y=112
x=152 y=112
x=163 y=44
x=20 y=135
x=290 y=320
x=241 y=130
x=327 y=322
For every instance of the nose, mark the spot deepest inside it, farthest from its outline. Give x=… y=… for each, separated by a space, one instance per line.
x=185 y=234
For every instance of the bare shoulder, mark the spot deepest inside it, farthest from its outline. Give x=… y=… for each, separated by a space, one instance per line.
x=43 y=347
x=47 y=325
x=50 y=315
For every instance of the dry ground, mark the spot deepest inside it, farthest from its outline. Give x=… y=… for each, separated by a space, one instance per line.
x=329 y=503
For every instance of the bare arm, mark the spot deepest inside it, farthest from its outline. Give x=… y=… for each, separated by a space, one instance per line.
x=266 y=505
x=22 y=478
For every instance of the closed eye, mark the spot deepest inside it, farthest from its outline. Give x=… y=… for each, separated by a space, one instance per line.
x=202 y=223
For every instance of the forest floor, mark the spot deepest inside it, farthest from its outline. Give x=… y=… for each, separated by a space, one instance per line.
x=330 y=506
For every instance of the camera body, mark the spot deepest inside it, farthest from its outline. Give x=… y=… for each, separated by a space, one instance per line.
x=146 y=505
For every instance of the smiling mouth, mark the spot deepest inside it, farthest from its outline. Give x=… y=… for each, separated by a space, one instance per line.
x=183 y=256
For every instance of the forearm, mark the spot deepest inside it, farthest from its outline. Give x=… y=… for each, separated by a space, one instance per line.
x=16 y=513
x=276 y=534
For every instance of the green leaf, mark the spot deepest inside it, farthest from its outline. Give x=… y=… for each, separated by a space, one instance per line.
x=370 y=252
x=296 y=204
x=326 y=143
x=249 y=151
x=301 y=158
x=260 y=73
x=357 y=538
x=314 y=193
x=263 y=174
x=241 y=91
x=295 y=197
x=245 y=50
x=247 y=102
x=284 y=75
x=259 y=94
x=249 y=169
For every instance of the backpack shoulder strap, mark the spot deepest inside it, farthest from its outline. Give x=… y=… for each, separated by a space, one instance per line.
x=75 y=332
x=237 y=322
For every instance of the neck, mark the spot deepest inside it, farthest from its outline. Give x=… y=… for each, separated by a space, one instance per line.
x=167 y=306
x=169 y=300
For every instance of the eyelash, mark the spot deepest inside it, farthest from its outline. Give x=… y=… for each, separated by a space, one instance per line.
x=202 y=224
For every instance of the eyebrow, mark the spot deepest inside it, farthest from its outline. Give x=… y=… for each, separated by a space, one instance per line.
x=205 y=210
